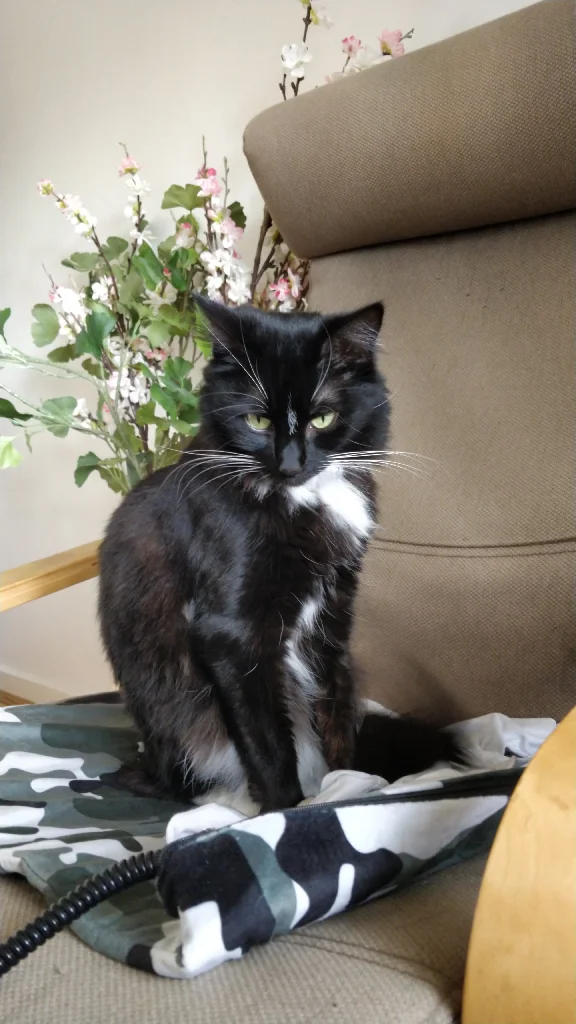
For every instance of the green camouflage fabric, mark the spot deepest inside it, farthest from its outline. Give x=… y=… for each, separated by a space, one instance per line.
x=228 y=882
x=63 y=819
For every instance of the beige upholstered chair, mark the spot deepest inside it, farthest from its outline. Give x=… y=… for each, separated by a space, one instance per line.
x=443 y=184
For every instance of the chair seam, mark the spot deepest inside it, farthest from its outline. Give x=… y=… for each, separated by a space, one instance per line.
x=309 y=942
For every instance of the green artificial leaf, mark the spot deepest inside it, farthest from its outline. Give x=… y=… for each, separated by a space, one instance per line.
x=189 y=415
x=99 y=325
x=114 y=247
x=56 y=414
x=182 y=427
x=165 y=248
x=46 y=328
x=177 y=368
x=178 y=281
x=126 y=436
x=63 y=354
x=84 y=262
x=4 y=314
x=94 y=369
x=181 y=322
x=111 y=478
x=204 y=346
x=183 y=197
x=158 y=333
x=164 y=400
x=148 y=266
x=86 y=464
x=130 y=288
x=188 y=258
x=143 y=367
x=146 y=415
x=9 y=455
x=180 y=393
x=236 y=211
x=176 y=261
x=9 y=412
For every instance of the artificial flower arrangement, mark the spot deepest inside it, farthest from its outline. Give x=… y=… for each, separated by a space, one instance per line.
x=125 y=322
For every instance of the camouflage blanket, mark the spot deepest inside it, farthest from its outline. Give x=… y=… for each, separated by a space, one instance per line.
x=225 y=882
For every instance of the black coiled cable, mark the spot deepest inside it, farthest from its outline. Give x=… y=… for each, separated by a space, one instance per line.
x=88 y=894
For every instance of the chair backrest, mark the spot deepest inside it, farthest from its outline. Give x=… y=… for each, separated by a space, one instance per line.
x=443 y=183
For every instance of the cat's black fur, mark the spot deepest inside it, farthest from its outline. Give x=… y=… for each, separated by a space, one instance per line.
x=227 y=582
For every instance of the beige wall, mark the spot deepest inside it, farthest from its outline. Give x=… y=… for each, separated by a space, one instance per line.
x=77 y=77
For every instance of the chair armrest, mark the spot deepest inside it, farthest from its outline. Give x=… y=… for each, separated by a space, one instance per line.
x=37 y=579
x=522 y=958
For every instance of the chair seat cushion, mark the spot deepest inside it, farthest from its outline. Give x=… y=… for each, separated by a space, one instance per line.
x=395 y=961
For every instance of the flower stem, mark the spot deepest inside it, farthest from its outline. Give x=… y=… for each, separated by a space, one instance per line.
x=264 y=227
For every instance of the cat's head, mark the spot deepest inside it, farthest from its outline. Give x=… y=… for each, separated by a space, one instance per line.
x=296 y=392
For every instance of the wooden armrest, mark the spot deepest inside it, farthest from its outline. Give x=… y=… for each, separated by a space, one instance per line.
x=37 y=579
x=522 y=959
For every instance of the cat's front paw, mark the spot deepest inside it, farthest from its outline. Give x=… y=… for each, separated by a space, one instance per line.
x=239 y=800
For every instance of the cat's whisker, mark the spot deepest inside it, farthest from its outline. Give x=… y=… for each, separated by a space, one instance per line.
x=327 y=370
x=183 y=451
x=236 y=360
x=223 y=476
x=259 y=383
x=225 y=393
x=382 y=452
x=374 y=466
x=206 y=467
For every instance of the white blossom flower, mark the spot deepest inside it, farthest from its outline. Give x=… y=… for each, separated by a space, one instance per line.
x=280 y=253
x=351 y=45
x=136 y=185
x=321 y=16
x=81 y=412
x=207 y=181
x=77 y=215
x=45 y=187
x=101 y=290
x=128 y=165
x=214 y=283
x=131 y=212
x=139 y=391
x=294 y=57
x=157 y=299
x=215 y=205
x=295 y=282
x=66 y=330
x=288 y=305
x=118 y=352
x=139 y=236
x=365 y=58
x=218 y=259
x=131 y=387
x=184 y=236
x=239 y=289
x=229 y=232
x=71 y=302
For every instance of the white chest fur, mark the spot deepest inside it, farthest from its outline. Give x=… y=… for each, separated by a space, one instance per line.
x=349 y=512
x=347 y=506
x=311 y=765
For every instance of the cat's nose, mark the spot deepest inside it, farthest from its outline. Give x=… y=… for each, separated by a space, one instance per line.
x=290 y=459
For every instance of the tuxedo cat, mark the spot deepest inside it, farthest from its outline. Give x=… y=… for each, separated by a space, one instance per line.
x=227 y=581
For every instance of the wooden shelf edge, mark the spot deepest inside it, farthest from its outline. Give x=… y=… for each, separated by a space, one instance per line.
x=47 y=575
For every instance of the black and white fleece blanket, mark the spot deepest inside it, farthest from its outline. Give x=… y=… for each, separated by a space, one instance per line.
x=227 y=882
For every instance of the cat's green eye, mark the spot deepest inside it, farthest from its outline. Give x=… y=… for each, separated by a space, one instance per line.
x=257 y=422
x=323 y=420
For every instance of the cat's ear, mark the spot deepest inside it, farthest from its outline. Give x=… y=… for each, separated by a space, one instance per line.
x=221 y=324
x=354 y=336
